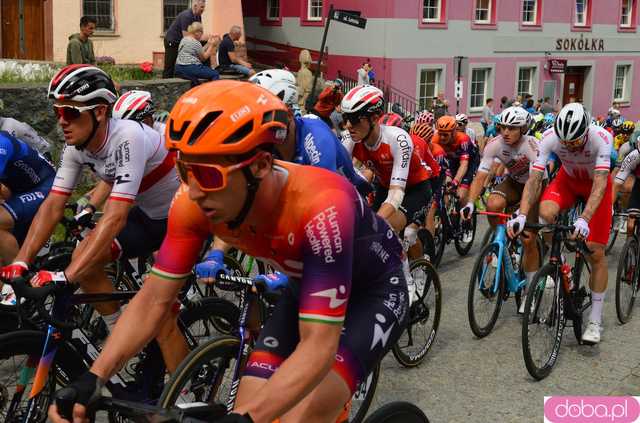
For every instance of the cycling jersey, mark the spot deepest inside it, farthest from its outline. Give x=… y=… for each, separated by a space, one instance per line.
x=21 y=167
x=458 y=150
x=518 y=158
x=625 y=149
x=133 y=159
x=393 y=158
x=619 y=140
x=26 y=133
x=595 y=154
x=629 y=166
x=317 y=145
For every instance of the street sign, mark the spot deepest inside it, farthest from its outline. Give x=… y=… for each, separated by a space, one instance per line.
x=347 y=17
x=557 y=65
x=458 y=90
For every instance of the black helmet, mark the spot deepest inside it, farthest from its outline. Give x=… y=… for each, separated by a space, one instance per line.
x=83 y=83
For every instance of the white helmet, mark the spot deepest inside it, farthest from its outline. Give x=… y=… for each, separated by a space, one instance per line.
x=364 y=99
x=133 y=105
x=572 y=122
x=280 y=82
x=515 y=116
x=462 y=119
x=614 y=113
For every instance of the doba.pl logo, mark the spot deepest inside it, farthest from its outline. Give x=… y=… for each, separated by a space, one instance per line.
x=591 y=409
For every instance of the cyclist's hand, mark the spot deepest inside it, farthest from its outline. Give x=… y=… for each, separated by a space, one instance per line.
x=273 y=281
x=516 y=225
x=467 y=211
x=236 y=418
x=74 y=399
x=14 y=270
x=84 y=217
x=44 y=277
x=581 y=228
x=453 y=185
x=211 y=267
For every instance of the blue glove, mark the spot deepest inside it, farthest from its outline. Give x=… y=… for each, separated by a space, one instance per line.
x=212 y=265
x=273 y=281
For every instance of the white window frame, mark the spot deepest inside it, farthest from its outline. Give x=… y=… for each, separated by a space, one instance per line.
x=535 y=12
x=441 y=70
x=113 y=17
x=629 y=7
x=438 y=17
x=475 y=12
x=488 y=89
x=627 y=82
x=269 y=7
x=585 y=13
x=533 y=81
x=310 y=7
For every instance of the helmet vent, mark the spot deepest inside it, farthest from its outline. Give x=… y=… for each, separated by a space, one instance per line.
x=242 y=132
x=176 y=135
x=202 y=126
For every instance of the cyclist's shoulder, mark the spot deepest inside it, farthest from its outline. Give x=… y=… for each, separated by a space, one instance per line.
x=393 y=134
x=184 y=211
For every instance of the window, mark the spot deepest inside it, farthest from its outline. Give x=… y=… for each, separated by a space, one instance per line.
x=171 y=8
x=621 y=86
x=529 y=12
x=102 y=11
x=626 y=13
x=582 y=7
x=429 y=79
x=479 y=87
x=314 y=10
x=431 y=11
x=273 y=10
x=526 y=78
x=483 y=11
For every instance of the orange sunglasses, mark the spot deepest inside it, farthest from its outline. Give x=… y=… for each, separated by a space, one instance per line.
x=210 y=177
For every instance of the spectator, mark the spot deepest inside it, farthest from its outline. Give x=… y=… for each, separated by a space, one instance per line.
x=372 y=74
x=80 y=47
x=440 y=106
x=503 y=102
x=177 y=31
x=546 y=106
x=304 y=79
x=487 y=113
x=228 y=58
x=328 y=100
x=191 y=54
x=529 y=106
x=363 y=74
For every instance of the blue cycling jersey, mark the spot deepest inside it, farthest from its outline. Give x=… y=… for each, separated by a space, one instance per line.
x=317 y=145
x=21 y=167
x=492 y=131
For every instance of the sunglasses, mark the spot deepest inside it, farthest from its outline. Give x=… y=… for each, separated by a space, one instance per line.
x=352 y=118
x=210 y=177
x=69 y=113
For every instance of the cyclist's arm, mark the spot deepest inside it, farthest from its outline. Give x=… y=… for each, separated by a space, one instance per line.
x=99 y=194
x=462 y=170
x=402 y=151
x=531 y=191
x=485 y=169
x=31 y=137
x=49 y=214
x=598 y=188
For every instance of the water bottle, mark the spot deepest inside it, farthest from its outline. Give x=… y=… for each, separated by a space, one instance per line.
x=515 y=259
x=567 y=277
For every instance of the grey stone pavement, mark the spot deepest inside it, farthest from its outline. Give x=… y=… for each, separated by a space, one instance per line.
x=465 y=379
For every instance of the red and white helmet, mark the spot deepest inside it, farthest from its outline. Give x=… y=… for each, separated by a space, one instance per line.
x=363 y=99
x=82 y=83
x=134 y=105
x=424 y=116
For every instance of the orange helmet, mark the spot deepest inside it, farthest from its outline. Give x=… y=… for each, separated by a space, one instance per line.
x=423 y=130
x=226 y=117
x=446 y=124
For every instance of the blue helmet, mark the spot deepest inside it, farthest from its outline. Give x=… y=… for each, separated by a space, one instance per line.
x=549 y=118
x=497 y=119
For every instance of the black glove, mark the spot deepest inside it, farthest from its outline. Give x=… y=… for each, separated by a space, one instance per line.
x=236 y=418
x=84 y=391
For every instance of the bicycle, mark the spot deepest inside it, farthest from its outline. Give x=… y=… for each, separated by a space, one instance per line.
x=548 y=309
x=627 y=273
x=203 y=375
x=616 y=225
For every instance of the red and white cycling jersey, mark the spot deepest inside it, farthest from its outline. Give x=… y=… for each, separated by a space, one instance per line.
x=134 y=160
x=594 y=156
x=629 y=166
x=518 y=158
x=393 y=158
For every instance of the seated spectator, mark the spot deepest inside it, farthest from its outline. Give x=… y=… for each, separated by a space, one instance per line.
x=191 y=54
x=80 y=47
x=328 y=100
x=228 y=58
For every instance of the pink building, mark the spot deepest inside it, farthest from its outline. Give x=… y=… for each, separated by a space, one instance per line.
x=509 y=46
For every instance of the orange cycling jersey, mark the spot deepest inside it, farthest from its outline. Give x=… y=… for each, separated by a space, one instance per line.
x=458 y=150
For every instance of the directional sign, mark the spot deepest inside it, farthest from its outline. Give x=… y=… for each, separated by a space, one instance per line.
x=349 y=18
x=458 y=90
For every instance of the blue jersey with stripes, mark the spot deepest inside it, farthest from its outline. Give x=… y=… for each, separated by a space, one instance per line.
x=21 y=167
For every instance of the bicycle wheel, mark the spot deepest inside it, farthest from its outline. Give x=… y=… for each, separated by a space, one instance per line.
x=398 y=412
x=579 y=299
x=543 y=322
x=363 y=397
x=468 y=230
x=627 y=280
x=424 y=316
x=484 y=299
x=207 y=318
x=439 y=240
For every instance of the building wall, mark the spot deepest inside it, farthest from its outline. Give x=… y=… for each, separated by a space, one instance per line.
x=398 y=44
x=138 y=27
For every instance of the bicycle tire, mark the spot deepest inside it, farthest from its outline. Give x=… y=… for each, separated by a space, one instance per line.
x=463 y=248
x=613 y=235
x=367 y=389
x=558 y=320
x=398 y=412
x=627 y=277
x=215 y=313
x=577 y=298
x=484 y=262
x=417 y=314
x=439 y=237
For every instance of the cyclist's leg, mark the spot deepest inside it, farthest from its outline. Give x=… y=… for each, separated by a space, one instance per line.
x=633 y=206
x=8 y=243
x=414 y=208
x=627 y=191
x=499 y=200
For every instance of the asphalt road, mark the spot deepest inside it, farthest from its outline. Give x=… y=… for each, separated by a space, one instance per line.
x=465 y=379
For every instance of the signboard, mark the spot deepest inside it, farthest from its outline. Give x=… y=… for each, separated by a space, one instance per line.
x=557 y=65
x=458 y=90
x=349 y=18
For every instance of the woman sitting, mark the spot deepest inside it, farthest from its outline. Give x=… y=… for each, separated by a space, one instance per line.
x=191 y=54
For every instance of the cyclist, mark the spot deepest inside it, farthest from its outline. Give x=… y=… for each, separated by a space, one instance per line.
x=585 y=152
x=138 y=105
x=391 y=119
x=626 y=175
x=516 y=151
x=26 y=134
x=623 y=134
x=127 y=155
x=424 y=116
x=350 y=299
x=463 y=126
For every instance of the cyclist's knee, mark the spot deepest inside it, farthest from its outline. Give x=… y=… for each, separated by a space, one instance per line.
x=548 y=212
x=496 y=203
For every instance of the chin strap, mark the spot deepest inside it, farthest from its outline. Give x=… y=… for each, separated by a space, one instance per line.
x=370 y=129
x=93 y=132
x=253 y=184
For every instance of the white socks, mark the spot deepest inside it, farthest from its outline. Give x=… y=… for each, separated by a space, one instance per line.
x=597 y=304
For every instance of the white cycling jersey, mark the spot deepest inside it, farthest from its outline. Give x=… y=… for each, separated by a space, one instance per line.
x=594 y=156
x=134 y=160
x=472 y=135
x=25 y=133
x=518 y=159
x=160 y=127
x=628 y=166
